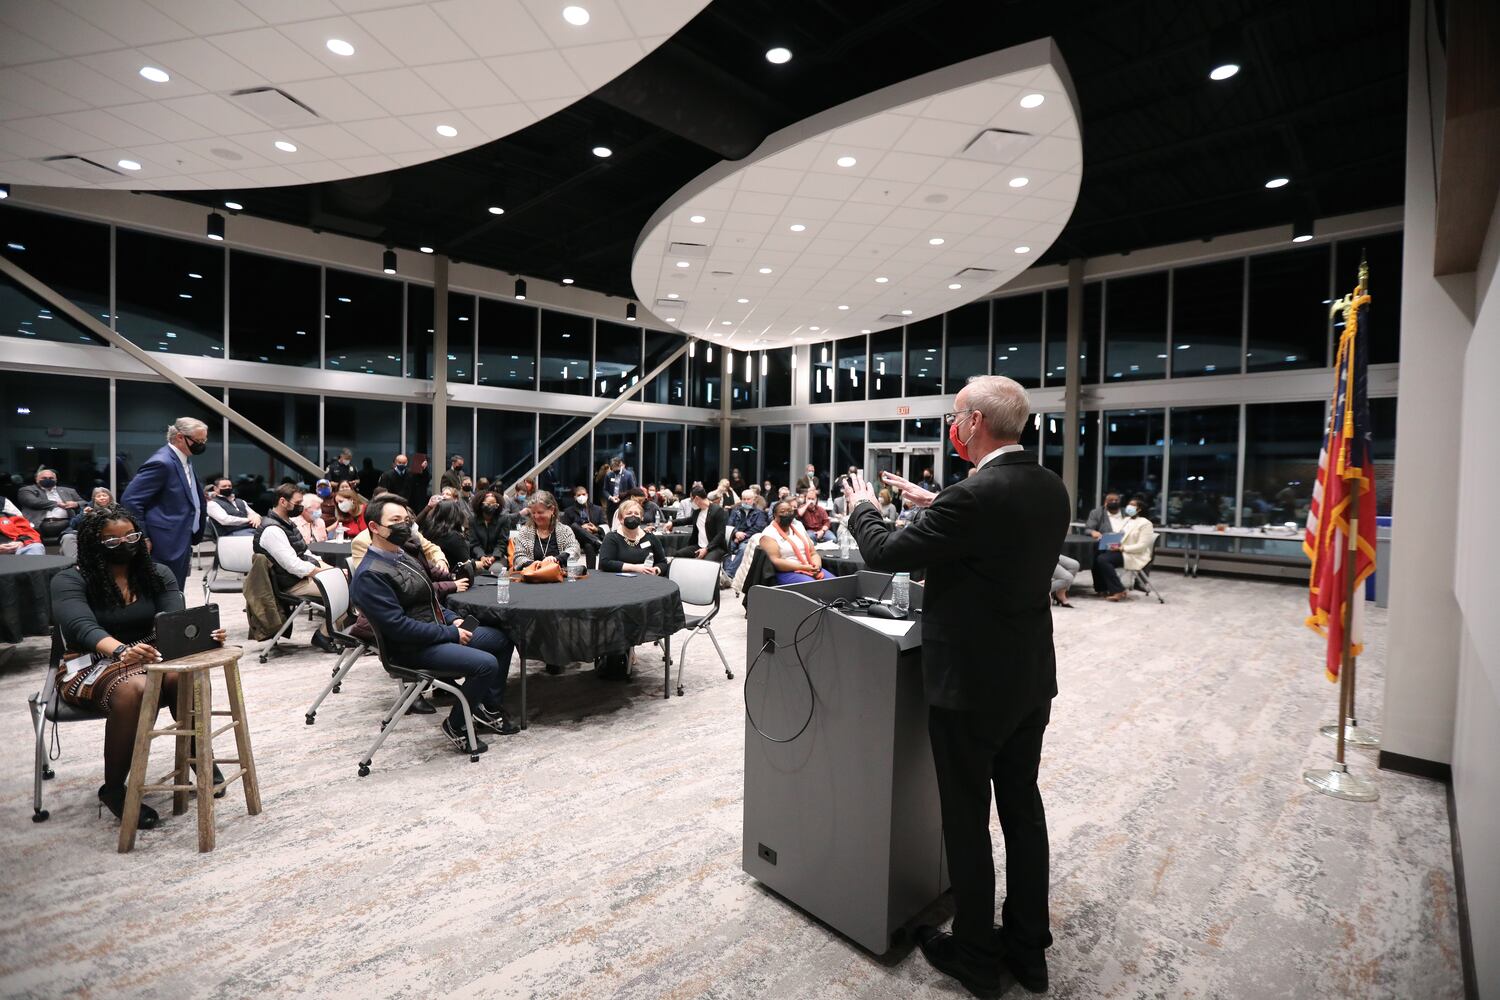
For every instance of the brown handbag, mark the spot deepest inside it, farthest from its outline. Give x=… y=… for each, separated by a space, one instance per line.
x=543 y=571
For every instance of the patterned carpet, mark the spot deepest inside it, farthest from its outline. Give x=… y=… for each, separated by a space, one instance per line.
x=597 y=854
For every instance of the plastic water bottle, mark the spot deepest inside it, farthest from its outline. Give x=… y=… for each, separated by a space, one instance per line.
x=575 y=564
x=502 y=588
x=650 y=559
x=901 y=594
x=843 y=542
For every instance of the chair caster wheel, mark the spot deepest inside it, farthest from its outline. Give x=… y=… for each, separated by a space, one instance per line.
x=679 y=690
x=729 y=674
x=309 y=717
x=364 y=770
x=48 y=774
x=337 y=687
x=473 y=758
x=263 y=657
x=334 y=672
x=40 y=816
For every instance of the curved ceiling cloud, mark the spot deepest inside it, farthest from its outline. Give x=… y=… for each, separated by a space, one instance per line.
x=230 y=95
x=898 y=205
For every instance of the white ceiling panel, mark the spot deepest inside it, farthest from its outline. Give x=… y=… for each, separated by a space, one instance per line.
x=908 y=211
x=70 y=80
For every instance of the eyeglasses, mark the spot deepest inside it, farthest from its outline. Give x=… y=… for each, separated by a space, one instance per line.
x=118 y=540
x=952 y=417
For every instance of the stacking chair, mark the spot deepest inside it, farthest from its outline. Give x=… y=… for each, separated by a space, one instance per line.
x=415 y=681
x=47 y=706
x=698 y=580
x=313 y=605
x=1142 y=578
x=232 y=554
x=334 y=589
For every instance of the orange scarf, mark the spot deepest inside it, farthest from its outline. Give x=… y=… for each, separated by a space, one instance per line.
x=795 y=539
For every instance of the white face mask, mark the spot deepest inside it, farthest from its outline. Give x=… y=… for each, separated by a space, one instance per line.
x=1130 y=511
x=582 y=500
x=346 y=505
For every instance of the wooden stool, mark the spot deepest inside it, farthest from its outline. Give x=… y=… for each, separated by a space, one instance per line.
x=193 y=728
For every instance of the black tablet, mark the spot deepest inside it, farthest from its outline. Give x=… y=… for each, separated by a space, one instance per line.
x=183 y=633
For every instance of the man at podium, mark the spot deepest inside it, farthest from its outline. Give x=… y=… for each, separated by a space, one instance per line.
x=989 y=672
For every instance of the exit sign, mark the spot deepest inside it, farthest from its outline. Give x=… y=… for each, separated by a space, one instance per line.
x=902 y=411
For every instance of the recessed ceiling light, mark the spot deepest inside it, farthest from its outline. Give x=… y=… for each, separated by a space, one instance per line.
x=447 y=131
x=339 y=47
x=846 y=161
x=906 y=312
x=155 y=75
x=234 y=206
x=128 y=165
x=576 y=16
x=1032 y=100
x=843 y=308
x=697 y=218
x=567 y=281
x=683 y=263
x=815 y=329
x=672 y=295
x=743 y=302
x=1302 y=237
x=496 y=210
x=881 y=280
x=797 y=227
x=765 y=270
x=725 y=322
x=1223 y=72
x=286 y=147
x=425 y=249
x=1023 y=249
x=195 y=274
x=671 y=319
x=864 y=331
x=1276 y=182
x=603 y=152
x=954 y=286
x=778 y=55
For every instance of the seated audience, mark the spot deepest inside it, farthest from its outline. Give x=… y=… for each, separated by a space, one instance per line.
x=814 y=518
x=745 y=521
x=397 y=596
x=17 y=535
x=790 y=550
x=927 y=482
x=1106 y=518
x=323 y=490
x=106 y=608
x=586 y=521
x=230 y=515
x=348 y=510
x=489 y=529
x=281 y=540
x=544 y=536
x=517 y=503
x=625 y=550
x=100 y=497
x=310 y=520
x=1062 y=578
x=808 y=479
x=447 y=525
x=888 y=505
x=47 y=505
x=454 y=475
x=1132 y=552
x=707 y=521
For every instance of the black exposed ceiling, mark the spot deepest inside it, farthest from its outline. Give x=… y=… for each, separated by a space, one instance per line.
x=1168 y=155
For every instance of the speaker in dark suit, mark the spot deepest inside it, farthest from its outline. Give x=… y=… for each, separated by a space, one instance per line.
x=989 y=544
x=717 y=547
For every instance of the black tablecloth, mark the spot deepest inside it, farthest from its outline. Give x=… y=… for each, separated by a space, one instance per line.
x=26 y=594
x=333 y=553
x=1082 y=548
x=841 y=566
x=678 y=543
x=580 y=620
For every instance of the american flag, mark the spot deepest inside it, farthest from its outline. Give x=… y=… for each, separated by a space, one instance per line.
x=1344 y=460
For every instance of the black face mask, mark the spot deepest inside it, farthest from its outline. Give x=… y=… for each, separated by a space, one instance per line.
x=400 y=470
x=120 y=554
x=632 y=522
x=491 y=509
x=197 y=447
x=227 y=494
x=398 y=534
x=785 y=520
x=1112 y=507
x=46 y=484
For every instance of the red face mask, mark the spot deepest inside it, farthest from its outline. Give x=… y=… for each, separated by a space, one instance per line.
x=961 y=447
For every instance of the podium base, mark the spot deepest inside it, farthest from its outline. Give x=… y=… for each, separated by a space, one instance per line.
x=1355 y=735
x=1338 y=782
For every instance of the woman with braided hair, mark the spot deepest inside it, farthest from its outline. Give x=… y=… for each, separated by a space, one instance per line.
x=106 y=607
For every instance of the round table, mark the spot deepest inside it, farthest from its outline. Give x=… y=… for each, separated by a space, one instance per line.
x=333 y=553
x=26 y=594
x=678 y=543
x=580 y=620
x=843 y=565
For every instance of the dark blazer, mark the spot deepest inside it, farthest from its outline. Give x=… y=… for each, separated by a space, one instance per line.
x=986 y=624
x=162 y=494
x=717 y=547
x=33 y=502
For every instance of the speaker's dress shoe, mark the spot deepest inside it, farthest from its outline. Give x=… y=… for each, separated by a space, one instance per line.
x=941 y=951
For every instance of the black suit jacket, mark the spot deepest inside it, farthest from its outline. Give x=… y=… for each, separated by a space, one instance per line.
x=989 y=544
x=717 y=547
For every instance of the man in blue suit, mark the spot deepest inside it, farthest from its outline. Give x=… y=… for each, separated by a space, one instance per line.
x=165 y=494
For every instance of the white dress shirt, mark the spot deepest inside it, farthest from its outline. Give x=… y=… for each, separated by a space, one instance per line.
x=703 y=528
x=279 y=548
x=194 y=490
x=1004 y=449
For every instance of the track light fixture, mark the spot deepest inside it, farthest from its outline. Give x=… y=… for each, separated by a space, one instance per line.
x=216 y=226
x=388 y=261
x=521 y=288
x=630 y=311
x=1302 y=228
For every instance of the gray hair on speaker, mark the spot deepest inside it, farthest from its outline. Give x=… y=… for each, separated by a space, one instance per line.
x=1003 y=402
x=187 y=426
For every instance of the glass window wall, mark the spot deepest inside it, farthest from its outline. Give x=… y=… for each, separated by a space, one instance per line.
x=703 y=456
x=822 y=372
x=507 y=344
x=744 y=379
x=506 y=447
x=566 y=351
x=169 y=294
x=924 y=357
x=363 y=329
x=617 y=357
x=778 y=380
x=67 y=255
x=1133 y=449
x=670 y=385
x=57 y=421
x=1288 y=315
x=370 y=428
x=1207 y=319
x=661 y=454
x=1018 y=340
x=886 y=354
x=776 y=455
x=1282 y=441
x=1135 y=330
x=281 y=327
x=575 y=466
x=1203 y=453
x=849 y=355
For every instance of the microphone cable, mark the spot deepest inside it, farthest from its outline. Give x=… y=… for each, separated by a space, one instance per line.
x=797 y=638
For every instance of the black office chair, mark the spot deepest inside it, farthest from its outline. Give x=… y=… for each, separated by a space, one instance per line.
x=415 y=681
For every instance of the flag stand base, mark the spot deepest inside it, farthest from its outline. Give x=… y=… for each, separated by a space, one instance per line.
x=1338 y=782
x=1355 y=735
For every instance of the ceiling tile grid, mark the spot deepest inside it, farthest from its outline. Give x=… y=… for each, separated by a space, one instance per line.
x=70 y=82
x=796 y=235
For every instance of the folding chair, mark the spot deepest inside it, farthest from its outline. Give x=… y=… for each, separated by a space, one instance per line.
x=698 y=580
x=415 y=682
x=1142 y=580
x=300 y=604
x=47 y=706
x=335 y=591
x=232 y=554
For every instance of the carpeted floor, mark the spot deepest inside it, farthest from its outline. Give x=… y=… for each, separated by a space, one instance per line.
x=597 y=854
